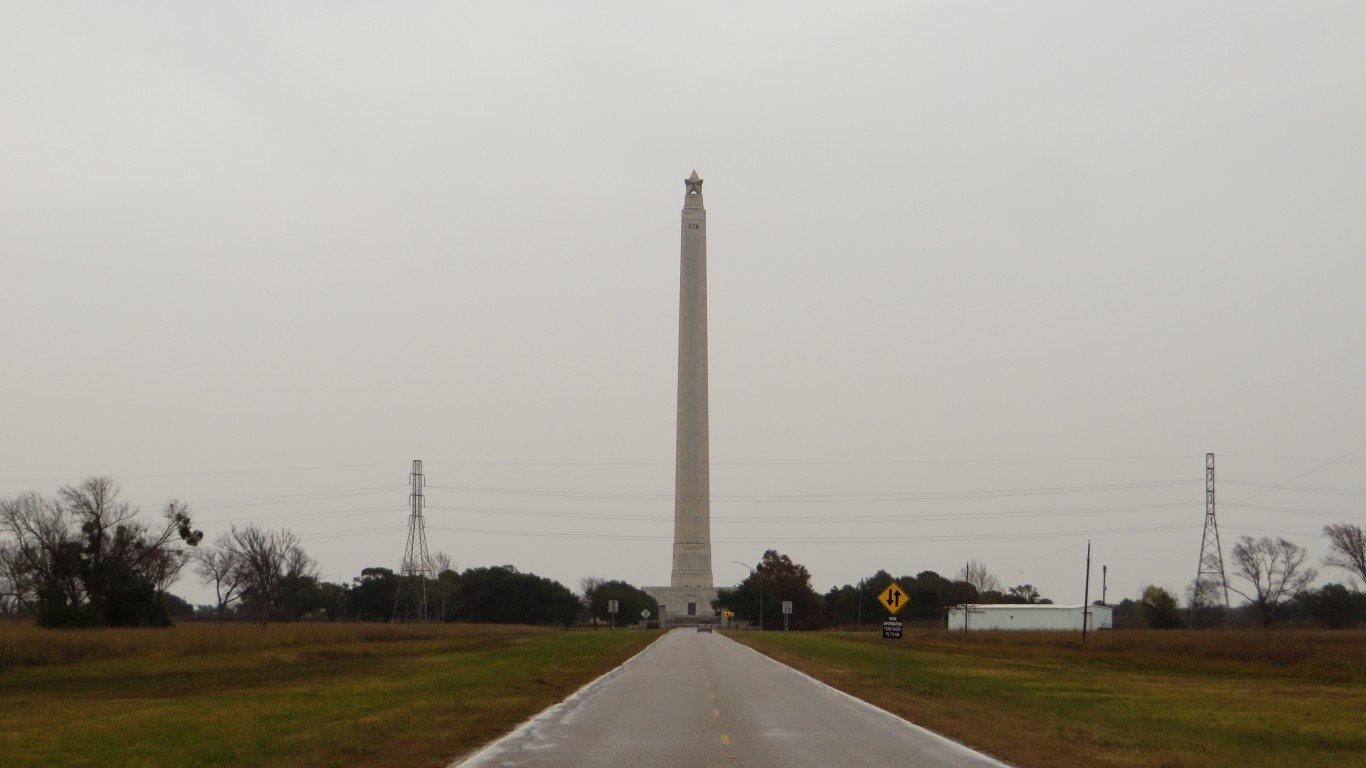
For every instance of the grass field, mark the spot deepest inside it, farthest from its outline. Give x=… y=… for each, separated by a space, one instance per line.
x=377 y=695
x=1133 y=698
x=287 y=695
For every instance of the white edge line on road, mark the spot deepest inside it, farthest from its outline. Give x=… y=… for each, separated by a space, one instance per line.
x=947 y=741
x=530 y=724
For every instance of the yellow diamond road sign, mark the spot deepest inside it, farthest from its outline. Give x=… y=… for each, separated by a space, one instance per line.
x=892 y=597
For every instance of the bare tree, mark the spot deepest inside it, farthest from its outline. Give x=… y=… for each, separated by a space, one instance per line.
x=270 y=563
x=443 y=568
x=1346 y=549
x=120 y=547
x=165 y=563
x=441 y=561
x=220 y=567
x=588 y=585
x=1205 y=604
x=1276 y=569
x=300 y=593
x=16 y=582
x=975 y=573
x=93 y=561
x=44 y=544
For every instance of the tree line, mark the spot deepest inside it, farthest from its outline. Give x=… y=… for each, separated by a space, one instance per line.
x=758 y=600
x=1275 y=578
x=85 y=558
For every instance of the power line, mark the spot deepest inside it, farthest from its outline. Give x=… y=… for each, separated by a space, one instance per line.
x=1297 y=511
x=304 y=517
x=1276 y=531
x=880 y=539
x=823 y=463
x=352 y=532
x=841 y=519
x=290 y=498
x=217 y=472
x=828 y=497
x=661 y=464
x=1299 y=488
x=1305 y=474
x=765 y=539
x=1302 y=459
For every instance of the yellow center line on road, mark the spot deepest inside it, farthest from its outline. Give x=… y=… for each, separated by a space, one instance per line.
x=716 y=713
x=725 y=740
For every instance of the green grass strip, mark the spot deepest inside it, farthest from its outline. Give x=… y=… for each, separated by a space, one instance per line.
x=406 y=699
x=1125 y=699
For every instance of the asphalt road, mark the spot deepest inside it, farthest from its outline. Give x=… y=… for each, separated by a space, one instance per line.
x=697 y=699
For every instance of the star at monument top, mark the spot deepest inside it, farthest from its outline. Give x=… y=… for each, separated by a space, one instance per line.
x=694 y=183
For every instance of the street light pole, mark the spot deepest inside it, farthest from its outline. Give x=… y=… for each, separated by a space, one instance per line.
x=860 y=605
x=760 y=585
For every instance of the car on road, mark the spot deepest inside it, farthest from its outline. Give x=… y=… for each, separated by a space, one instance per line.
x=704 y=626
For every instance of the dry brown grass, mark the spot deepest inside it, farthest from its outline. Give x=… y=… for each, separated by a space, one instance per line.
x=24 y=645
x=287 y=696
x=1309 y=654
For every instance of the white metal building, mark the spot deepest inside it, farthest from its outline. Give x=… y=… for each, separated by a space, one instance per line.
x=1037 y=617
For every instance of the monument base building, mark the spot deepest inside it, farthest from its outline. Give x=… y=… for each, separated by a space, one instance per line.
x=683 y=606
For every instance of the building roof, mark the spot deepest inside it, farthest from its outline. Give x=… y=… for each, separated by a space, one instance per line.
x=1032 y=606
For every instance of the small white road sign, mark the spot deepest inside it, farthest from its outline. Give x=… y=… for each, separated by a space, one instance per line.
x=787 y=606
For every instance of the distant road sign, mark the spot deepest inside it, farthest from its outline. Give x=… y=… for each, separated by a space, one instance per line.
x=891 y=630
x=611 y=606
x=787 y=606
x=645 y=613
x=727 y=613
x=892 y=597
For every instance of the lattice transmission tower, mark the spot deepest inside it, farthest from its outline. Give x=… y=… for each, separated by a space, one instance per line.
x=1210 y=582
x=413 y=601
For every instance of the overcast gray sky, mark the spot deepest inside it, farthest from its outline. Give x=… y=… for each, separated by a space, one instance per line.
x=986 y=280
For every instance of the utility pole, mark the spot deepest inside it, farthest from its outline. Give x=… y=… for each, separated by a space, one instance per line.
x=860 y=605
x=1086 y=594
x=1210 y=573
x=412 y=603
x=1104 y=582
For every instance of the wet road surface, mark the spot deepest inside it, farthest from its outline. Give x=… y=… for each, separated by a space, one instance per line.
x=700 y=699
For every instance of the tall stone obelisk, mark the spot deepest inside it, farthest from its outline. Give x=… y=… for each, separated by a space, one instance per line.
x=690 y=592
x=692 y=475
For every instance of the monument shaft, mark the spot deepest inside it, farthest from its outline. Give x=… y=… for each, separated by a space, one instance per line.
x=692 y=477
x=690 y=593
